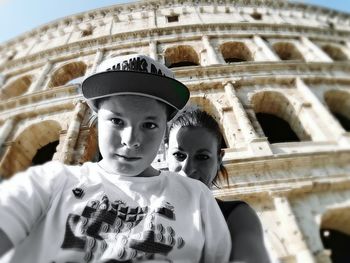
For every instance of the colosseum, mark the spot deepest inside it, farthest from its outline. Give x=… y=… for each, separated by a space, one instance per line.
x=275 y=74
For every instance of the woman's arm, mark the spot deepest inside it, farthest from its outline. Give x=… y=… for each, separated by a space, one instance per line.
x=5 y=243
x=247 y=235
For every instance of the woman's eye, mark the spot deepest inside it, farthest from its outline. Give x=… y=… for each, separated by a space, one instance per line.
x=150 y=125
x=202 y=157
x=117 y=121
x=179 y=156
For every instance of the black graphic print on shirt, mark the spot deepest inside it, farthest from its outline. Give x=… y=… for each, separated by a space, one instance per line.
x=114 y=231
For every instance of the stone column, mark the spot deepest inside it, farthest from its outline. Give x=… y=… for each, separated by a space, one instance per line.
x=328 y=121
x=265 y=48
x=240 y=114
x=153 y=52
x=323 y=57
x=292 y=235
x=97 y=60
x=211 y=54
x=37 y=85
x=5 y=130
x=153 y=16
x=70 y=141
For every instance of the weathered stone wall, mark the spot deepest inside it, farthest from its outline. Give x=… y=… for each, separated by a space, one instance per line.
x=247 y=57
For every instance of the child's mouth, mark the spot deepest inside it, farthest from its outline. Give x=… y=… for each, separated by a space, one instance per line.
x=128 y=158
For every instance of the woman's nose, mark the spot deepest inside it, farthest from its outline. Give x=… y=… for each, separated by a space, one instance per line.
x=189 y=168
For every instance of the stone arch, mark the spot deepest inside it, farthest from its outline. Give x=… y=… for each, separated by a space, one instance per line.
x=338 y=102
x=181 y=56
x=335 y=233
x=16 y=87
x=235 y=52
x=287 y=51
x=206 y=105
x=67 y=73
x=335 y=52
x=274 y=107
x=25 y=146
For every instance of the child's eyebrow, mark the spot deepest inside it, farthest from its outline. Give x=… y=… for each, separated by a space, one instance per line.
x=152 y=118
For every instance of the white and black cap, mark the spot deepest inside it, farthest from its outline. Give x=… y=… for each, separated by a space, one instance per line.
x=135 y=75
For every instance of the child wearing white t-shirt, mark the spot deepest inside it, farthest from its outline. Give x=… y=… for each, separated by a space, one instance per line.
x=120 y=209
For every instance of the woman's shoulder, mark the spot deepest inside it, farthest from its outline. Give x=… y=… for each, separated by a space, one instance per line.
x=242 y=214
x=227 y=207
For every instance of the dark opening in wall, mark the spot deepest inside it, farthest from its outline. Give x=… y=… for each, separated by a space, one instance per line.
x=276 y=129
x=339 y=244
x=86 y=33
x=180 y=56
x=234 y=60
x=344 y=121
x=11 y=55
x=256 y=16
x=287 y=51
x=45 y=153
x=235 y=52
x=335 y=52
x=173 y=18
x=182 y=64
x=330 y=25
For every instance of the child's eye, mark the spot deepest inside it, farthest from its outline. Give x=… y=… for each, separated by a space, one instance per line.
x=202 y=157
x=179 y=156
x=117 y=121
x=150 y=125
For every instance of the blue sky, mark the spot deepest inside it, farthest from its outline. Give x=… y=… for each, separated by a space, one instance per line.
x=19 y=16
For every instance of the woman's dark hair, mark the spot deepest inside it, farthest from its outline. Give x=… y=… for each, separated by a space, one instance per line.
x=199 y=118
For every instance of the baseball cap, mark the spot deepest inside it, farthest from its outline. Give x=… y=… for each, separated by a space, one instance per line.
x=135 y=74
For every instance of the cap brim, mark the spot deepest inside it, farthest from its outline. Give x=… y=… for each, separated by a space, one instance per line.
x=111 y=83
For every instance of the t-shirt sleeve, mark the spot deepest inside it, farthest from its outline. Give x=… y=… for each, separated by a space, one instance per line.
x=217 y=246
x=26 y=197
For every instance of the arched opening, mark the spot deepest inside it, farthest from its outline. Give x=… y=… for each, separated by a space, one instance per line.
x=19 y=155
x=16 y=88
x=276 y=129
x=338 y=102
x=235 y=52
x=45 y=153
x=67 y=73
x=338 y=242
x=181 y=56
x=335 y=234
x=277 y=118
x=335 y=52
x=256 y=16
x=287 y=51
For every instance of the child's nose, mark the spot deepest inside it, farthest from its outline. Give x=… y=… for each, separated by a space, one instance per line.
x=130 y=138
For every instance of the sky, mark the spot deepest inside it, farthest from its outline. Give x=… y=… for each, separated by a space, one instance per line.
x=19 y=16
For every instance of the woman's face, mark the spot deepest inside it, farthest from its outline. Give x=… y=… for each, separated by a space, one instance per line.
x=193 y=152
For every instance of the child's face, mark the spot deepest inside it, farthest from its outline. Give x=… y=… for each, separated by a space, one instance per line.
x=130 y=130
x=193 y=152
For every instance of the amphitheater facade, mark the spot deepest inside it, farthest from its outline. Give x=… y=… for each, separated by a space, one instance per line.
x=275 y=74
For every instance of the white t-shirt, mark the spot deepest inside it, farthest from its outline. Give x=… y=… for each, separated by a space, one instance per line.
x=59 y=213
